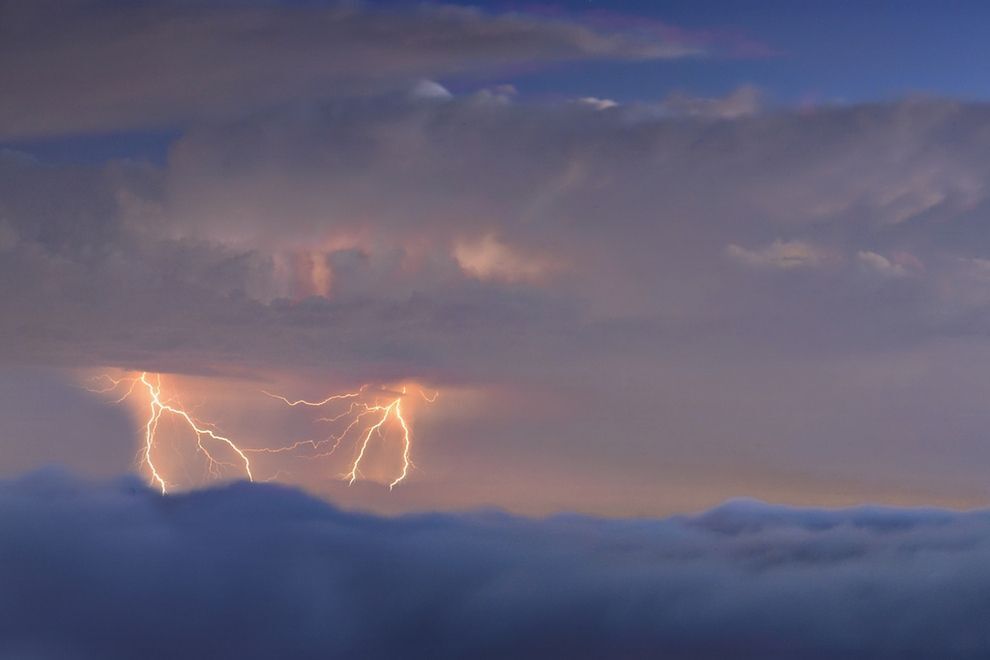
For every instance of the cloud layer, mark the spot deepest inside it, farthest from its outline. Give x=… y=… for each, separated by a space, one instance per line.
x=116 y=571
x=442 y=223
x=91 y=65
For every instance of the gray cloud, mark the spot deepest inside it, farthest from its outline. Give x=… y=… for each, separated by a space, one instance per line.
x=116 y=571
x=577 y=258
x=100 y=66
x=449 y=224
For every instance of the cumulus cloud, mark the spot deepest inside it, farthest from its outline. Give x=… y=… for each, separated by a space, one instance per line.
x=783 y=255
x=429 y=89
x=117 y=571
x=880 y=264
x=97 y=66
x=597 y=103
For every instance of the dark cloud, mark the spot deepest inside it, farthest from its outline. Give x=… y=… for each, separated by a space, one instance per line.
x=100 y=66
x=117 y=571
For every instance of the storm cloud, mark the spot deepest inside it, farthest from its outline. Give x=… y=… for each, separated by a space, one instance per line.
x=114 y=570
x=449 y=220
x=739 y=296
x=673 y=275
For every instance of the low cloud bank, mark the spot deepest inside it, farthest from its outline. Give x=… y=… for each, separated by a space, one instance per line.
x=259 y=571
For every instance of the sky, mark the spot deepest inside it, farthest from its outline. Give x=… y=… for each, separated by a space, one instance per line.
x=619 y=259
x=512 y=329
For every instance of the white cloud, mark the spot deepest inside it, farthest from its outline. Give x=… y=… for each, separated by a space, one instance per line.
x=880 y=264
x=597 y=103
x=782 y=255
x=428 y=89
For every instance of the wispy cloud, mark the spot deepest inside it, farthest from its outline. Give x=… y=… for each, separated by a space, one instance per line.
x=783 y=255
x=101 y=66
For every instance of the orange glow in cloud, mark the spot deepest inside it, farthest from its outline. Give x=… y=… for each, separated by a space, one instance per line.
x=304 y=273
x=370 y=413
x=386 y=406
x=490 y=259
x=158 y=406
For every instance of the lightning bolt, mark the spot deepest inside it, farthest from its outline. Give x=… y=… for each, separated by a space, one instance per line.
x=206 y=437
x=317 y=404
x=158 y=406
x=382 y=412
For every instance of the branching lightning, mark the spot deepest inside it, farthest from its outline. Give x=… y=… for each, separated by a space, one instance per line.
x=158 y=406
x=316 y=404
x=382 y=412
x=382 y=406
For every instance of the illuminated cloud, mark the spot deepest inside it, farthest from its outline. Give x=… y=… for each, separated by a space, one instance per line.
x=488 y=259
x=322 y=242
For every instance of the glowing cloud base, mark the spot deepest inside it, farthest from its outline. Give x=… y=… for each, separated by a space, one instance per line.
x=376 y=407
